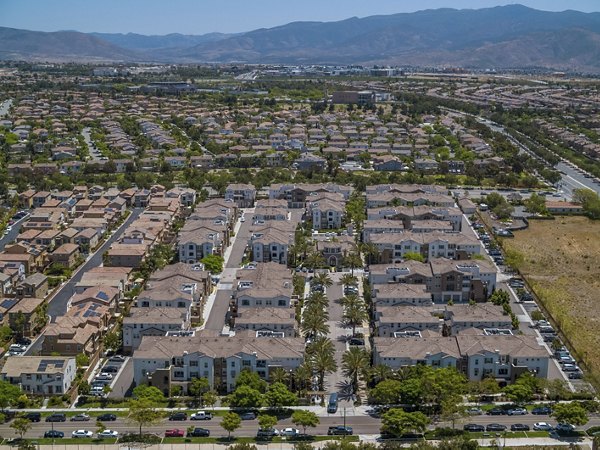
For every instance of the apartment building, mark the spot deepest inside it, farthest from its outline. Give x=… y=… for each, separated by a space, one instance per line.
x=40 y=375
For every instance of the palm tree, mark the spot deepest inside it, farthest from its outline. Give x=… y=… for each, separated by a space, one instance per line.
x=355 y=315
x=380 y=373
x=353 y=260
x=348 y=280
x=314 y=260
x=323 y=279
x=355 y=363
x=279 y=375
x=323 y=363
x=302 y=377
x=314 y=324
x=319 y=299
x=350 y=299
x=371 y=251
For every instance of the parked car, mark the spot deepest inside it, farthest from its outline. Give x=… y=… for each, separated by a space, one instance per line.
x=565 y=427
x=54 y=434
x=201 y=415
x=473 y=427
x=56 y=417
x=178 y=416
x=570 y=368
x=81 y=434
x=111 y=369
x=542 y=411
x=199 y=432
x=542 y=426
x=519 y=427
x=33 y=416
x=80 y=418
x=107 y=417
x=575 y=375
x=117 y=358
x=250 y=415
x=339 y=431
x=267 y=433
x=495 y=427
x=108 y=434
x=517 y=412
x=289 y=432
x=104 y=376
x=175 y=432
x=496 y=412
x=474 y=411
x=23 y=341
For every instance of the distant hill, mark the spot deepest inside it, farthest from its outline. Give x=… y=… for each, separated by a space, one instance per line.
x=502 y=37
x=58 y=46
x=133 y=41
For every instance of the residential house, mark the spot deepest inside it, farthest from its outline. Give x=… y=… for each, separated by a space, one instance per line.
x=244 y=195
x=152 y=322
x=66 y=255
x=40 y=375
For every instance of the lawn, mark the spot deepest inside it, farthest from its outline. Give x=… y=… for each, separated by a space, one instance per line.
x=560 y=262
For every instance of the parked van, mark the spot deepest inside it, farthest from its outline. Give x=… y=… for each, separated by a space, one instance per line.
x=333 y=403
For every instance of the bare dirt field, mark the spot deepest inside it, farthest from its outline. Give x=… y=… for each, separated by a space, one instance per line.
x=561 y=262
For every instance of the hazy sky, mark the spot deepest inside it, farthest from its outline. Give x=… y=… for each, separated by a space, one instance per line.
x=203 y=16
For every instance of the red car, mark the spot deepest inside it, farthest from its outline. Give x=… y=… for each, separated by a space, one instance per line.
x=175 y=432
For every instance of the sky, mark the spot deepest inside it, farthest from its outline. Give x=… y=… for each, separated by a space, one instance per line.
x=226 y=16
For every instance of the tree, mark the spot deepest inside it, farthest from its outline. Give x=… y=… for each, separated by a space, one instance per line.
x=452 y=410
x=355 y=363
x=198 y=387
x=9 y=393
x=245 y=397
x=398 y=422
x=371 y=251
x=518 y=392
x=112 y=340
x=413 y=256
x=387 y=392
x=313 y=323
x=210 y=398
x=83 y=388
x=231 y=422
x=494 y=199
x=314 y=260
x=150 y=393
x=348 y=280
x=572 y=413
x=267 y=422
x=279 y=395
x=251 y=379
x=213 y=263
x=143 y=413
x=590 y=201
x=536 y=204
x=279 y=375
x=305 y=419
x=355 y=314
x=82 y=360
x=21 y=425
x=379 y=373
x=323 y=279
x=352 y=260
x=321 y=359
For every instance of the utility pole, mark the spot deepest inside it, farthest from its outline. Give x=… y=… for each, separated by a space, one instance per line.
x=344 y=418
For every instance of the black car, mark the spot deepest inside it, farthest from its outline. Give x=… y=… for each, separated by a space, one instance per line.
x=473 y=427
x=519 y=427
x=178 y=416
x=339 y=431
x=56 y=417
x=199 y=432
x=23 y=341
x=110 y=369
x=107 y=417
x=33 y=416
x=542 y=411
x=55 y=434
x=495 y=427
x=496 y=412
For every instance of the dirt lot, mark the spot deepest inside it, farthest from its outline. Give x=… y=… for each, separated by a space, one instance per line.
x=561 y=261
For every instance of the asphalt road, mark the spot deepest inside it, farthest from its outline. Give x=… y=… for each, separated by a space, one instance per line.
x=361 y=425
x=92 y=149
x=573 y=178
x=57 y=305
x=12 y=234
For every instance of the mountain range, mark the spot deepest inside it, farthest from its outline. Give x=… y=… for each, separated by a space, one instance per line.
x=501 y=37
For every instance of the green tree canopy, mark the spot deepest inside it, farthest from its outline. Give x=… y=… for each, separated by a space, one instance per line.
x=279 y=395
x=143 y=413
x=231 y=422
x=387 y=392
x=150 y=393
x=304 y=419
x=398 y=422
x=573 y=413
x=251 y=379
x=266 y=421
x=245 y=397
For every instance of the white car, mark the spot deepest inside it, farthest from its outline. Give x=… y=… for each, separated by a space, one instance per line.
x=81 y=434
x=289 y=432
x=108 y=434
x=542 y=426
x=567 y=427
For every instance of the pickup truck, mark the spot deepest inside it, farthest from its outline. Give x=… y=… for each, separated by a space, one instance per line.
x=201 y=415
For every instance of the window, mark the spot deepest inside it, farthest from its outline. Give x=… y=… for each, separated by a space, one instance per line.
x=282 y=303
x=232 y=363
x=476 y=372
x=246 y=363
x=488 y=361
x=245 y=302
x=193 y=363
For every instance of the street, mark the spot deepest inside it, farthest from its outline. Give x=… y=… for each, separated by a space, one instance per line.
x=11 y=236
x=361 y=424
